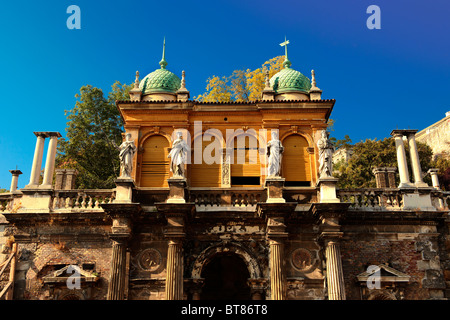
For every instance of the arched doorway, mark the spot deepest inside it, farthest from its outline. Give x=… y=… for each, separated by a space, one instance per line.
x=226 y=277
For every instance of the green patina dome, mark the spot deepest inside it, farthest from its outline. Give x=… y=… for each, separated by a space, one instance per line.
x=161 y=80
x=290 y=80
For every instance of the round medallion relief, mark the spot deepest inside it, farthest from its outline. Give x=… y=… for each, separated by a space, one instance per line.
x=301 y=259
x=150 y=259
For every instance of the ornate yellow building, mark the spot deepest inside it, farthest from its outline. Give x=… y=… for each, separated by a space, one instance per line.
x=219 y=224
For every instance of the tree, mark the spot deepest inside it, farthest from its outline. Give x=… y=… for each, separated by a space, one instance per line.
x=345 y=143
x=367 y=155
x=94 y=128
x=241 y=85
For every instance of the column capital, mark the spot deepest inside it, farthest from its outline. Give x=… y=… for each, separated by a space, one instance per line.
x=15 y=172
x=403 y=132
x=46 y=134
x=332 y=237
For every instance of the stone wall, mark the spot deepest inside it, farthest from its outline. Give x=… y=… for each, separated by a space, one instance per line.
x=412 y=250
x=437 y=136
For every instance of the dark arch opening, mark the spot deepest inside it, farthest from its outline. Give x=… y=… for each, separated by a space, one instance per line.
x=226 y=278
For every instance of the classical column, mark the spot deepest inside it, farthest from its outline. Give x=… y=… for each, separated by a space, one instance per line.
x=415 y=163
x=335 y=277
x=434 y=178
x=401 y=159
x=174 y=277
x=435 y=183
x=37 y=159
x=50 y=161
x=14 y=179
x=277 y=281
x=116 y=287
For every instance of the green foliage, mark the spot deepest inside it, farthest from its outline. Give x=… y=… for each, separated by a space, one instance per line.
x=94 y=129
x=367 y=155
x=345 y=143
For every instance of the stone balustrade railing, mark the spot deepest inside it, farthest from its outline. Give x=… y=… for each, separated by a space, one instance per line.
x=386 y=199
x=371 y=198
x=83 y=199
x=226 y=197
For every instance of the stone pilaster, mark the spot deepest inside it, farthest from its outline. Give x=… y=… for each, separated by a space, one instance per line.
x=174 y=277
x=116 y=286
x=335 y=275
x=276 y=266
x=123 y=215
x=275 y=215
x=329 y=215
x=176 y=215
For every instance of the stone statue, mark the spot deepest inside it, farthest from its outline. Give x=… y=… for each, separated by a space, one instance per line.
x=126 y=152
x=178 y=156
x=326 y=150
x=274 y=153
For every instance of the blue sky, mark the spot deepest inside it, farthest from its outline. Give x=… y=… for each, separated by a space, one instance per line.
x=395 y=77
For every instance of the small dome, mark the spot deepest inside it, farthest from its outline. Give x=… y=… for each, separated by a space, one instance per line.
x=290 y=80
x=160 y=80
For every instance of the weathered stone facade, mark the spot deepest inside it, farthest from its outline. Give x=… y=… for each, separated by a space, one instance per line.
x=437 y=136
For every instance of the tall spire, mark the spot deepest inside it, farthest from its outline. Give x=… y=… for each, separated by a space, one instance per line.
x=286 y=62
x=163 y=62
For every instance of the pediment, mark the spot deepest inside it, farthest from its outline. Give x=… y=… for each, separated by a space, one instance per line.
x=386 y=274
x=63 y=274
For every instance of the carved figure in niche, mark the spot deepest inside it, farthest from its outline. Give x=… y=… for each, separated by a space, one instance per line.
x=126 y=153
x=326 y=150
x=178 y=156
x=274 y=153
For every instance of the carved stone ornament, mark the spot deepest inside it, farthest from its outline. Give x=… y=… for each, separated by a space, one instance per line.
x=150 y=259
x=301 y=259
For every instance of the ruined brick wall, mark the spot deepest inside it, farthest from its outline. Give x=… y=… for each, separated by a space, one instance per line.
x=415 y=254
x=37 y=260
